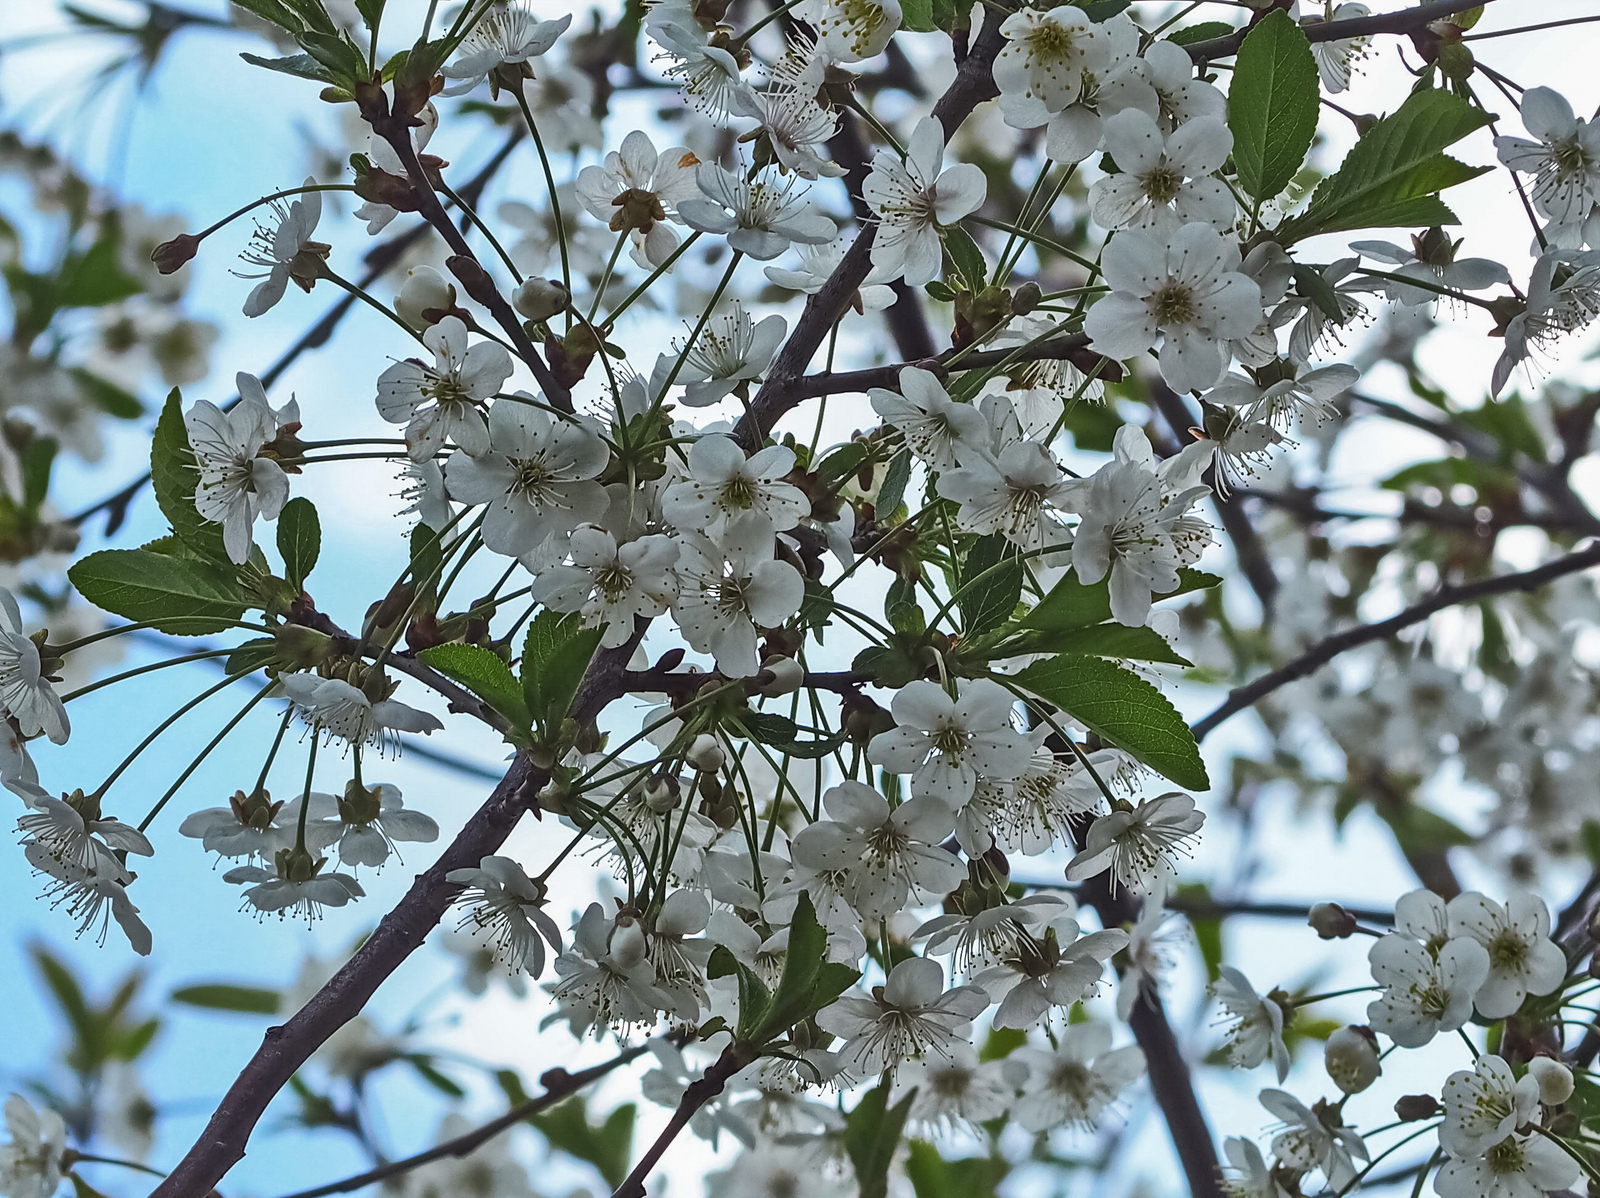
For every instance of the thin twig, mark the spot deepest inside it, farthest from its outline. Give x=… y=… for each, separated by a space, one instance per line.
x=1406 y=20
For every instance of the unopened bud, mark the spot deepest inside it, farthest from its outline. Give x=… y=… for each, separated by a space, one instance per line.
x=705 y=754
x=1331 y=921
x=1554 y=1078
x=1351 y=1058
x=1026 y=298
x=170 y=255
x=662 y=793
x=423 y=289
x=1414 y=1107
x=627 y=944
x=540 y=299
x=787 y=676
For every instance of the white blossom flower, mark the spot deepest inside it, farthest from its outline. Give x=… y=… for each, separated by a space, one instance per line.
x=367 y=824
x=1424 y=993
x=1423 y=916
x=678 y=952
x=253 y=825
x=1439 y=267
x=441 y=402
x=638 y=190
x=562 y=100
x=25 y=693
x=851 y=30
x=1117 y=84
x=992 y=935
x=606 y=978
x=1257 y=1029
x=708 y=73
x=425 y=492
x=1185 y=288
x=1073 y=1085
x=817 y=264
x=383 y=157
x=1522 y=958
x=955 y=1091
x=795 y=126
x=1315 y=1139
x=334 y=708
x=913 y=199
x=296 y=885
x=1056 y=970
x=1014 y=493
x=1517 y=1167
x=507 y=36
x=1036 y=811
x=947 y=744
x=91 y=896
x=731 y=352
x=1163 y=182
x=1485 y=1104
x=881 y=856
x=1044 y=60
x=725 y=595
x=1563 y=296
x=538 y=477
x=1554 y=1079
x=236 y=483
x=1302 y=398
x=911 y=1016
x=1168 y=68
x=1138 y=845
x=1564 y=160
x=612 y=584
x=285 y=248
x=30 y=1165
x=1254 y=1179
x=505 y=909
x=759 y=217
x=933 y=424
x=734 y=499
x=75 y=833
x=1336 y=58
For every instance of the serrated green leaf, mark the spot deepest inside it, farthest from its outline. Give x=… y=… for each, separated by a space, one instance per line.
x=970 y=267
x=841 y=462
x=174 y=476
x=916 y=16
x=299 y=540
x=483 y=673
x=555 y=654
x=1123 y=708
x=892 y=490
x=808 y=982
x=1391 y=175
x=176 y=594
x=991 y=585
x=223 y=996
x=1099 y=640
x=768 y=727
x=371 y=11
x=754 y=998
x=1308 y=281
x=1202 y=32
x=274 y=12
x=428 y=1073
x=302 y=66
x=872 y=1137
x=1070 y=604
x=1273 y=104
x=334 y=51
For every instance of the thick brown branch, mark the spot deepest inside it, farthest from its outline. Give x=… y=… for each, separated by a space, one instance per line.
x=699 y=1092
x=1406 y=20
x=1448 y=596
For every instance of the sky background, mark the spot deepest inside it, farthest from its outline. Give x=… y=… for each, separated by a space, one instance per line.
x=208 y=132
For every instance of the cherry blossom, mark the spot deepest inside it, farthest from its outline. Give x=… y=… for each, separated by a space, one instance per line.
x=947 y=744
x=444 y=401
x=913 y=198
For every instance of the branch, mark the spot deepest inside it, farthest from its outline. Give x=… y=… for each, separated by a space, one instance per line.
x=699 y=1092
x=1407 y=20
x=1326 y=650
x=558 y=1084
x=973 y=84
x=285 y=1048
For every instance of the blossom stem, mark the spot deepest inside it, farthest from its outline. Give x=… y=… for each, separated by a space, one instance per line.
x=605 y=277
x=277 y=195
x=1311 y=998
x=1467 y=1040
x=172 y=719
x=1422 y=1174
x=1478 y=37
x=889 y=138
x=153 y=666
x=204 y=753
x=91 y=1159
x=488 y=234
x=272 y=753
x=1373 y=1163
x=1426 y=285
x=118 y=630
x=362 y=295
x=305 y=795
x=1049 y=243
x=611 y=317
x=555 y=200
x=744 y=38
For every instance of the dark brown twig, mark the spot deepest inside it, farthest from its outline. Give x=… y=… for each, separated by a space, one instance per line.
x=1404 y=21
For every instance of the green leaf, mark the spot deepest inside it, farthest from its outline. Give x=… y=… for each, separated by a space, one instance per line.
x=555 y=654
x=299 y=540
x=426 y=1071
x=769 y=728
x=1419 y=830
x=335 y=52
x=95 y=278
x=68 y=994
x=222 y=996
x=178 y=595
x=841 y=462
x=1001 y=1042
x=1273 y=104
x=871 y=1136
x=1100 y=640
x=916 y=16
x=893 y=488
x=1203 y=32
x=253 y=655
x=608 y=1147
x=302 y=66
x=967 y=258
x=810 y=750
x=37 y=459
x=1070 y=604
x=371 y=11
x=1100 y=11
x=1309 y=282
x=991 y=586
x=809 y=981
x=483 y=673
x=1122 y=708
x=274 y=12
x=1391 y=176
x=174 y=476
x=108 y=397
x=754 y=997
x=970 y=1177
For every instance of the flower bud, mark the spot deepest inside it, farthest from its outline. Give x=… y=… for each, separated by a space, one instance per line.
x=1351 y=1058
x=423 y=289
x=705 y=754
x=627 y=944
x=787 y=676
x=1554 y=1078
x=661 y=793
x=1414 y=1107
x=540 y=299
x=170 y=255
x=1331 y=921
